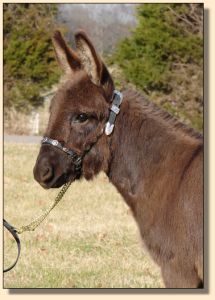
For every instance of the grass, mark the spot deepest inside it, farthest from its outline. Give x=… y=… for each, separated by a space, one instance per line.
x=89 y=240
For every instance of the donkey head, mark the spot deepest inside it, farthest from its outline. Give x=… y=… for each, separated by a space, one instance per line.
x=78 y=113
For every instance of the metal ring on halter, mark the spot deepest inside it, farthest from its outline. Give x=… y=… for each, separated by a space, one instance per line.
x=13 y=231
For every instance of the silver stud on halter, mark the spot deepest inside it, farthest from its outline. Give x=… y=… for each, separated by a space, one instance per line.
x=114 y=111
x=77 y=160
x=54 y=142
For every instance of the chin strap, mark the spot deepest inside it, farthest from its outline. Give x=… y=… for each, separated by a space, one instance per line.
x=114 y=111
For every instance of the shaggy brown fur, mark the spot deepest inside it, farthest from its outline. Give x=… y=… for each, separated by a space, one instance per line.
x=155 y=162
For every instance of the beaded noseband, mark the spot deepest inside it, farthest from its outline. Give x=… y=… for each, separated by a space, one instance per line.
x=76 y=159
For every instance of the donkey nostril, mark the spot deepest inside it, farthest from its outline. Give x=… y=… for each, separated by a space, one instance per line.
x=46 y=173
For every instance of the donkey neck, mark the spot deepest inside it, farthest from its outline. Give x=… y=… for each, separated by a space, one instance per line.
x=148 y=149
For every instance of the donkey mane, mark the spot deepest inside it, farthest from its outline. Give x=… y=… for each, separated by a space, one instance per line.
x=149 y=108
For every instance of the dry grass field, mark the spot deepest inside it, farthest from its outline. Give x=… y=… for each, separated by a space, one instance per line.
x=89 y=240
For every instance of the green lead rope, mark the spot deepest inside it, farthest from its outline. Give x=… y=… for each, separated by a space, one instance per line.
x=34 y=224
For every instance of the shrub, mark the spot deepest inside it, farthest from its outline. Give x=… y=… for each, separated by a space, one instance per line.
x=164 y=57
x=29 y=63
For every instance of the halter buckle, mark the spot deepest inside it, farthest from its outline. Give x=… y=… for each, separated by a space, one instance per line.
x=114 y=111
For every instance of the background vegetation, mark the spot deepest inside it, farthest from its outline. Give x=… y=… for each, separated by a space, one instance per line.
x=162 y=55
x=164 y=58
x=29 y=62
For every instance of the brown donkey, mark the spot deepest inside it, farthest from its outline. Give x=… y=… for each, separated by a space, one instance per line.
x=155 y=162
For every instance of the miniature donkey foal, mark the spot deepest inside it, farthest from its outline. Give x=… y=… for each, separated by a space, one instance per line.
x=155 y=162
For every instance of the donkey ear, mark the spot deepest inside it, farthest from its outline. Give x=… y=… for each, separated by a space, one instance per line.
x=92 y=63
x=88 y=56
x=67 y=58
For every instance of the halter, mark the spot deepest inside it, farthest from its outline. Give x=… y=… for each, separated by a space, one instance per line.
x=77 y=159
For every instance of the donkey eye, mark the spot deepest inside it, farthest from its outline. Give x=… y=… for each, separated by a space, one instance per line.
x=80 y=118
